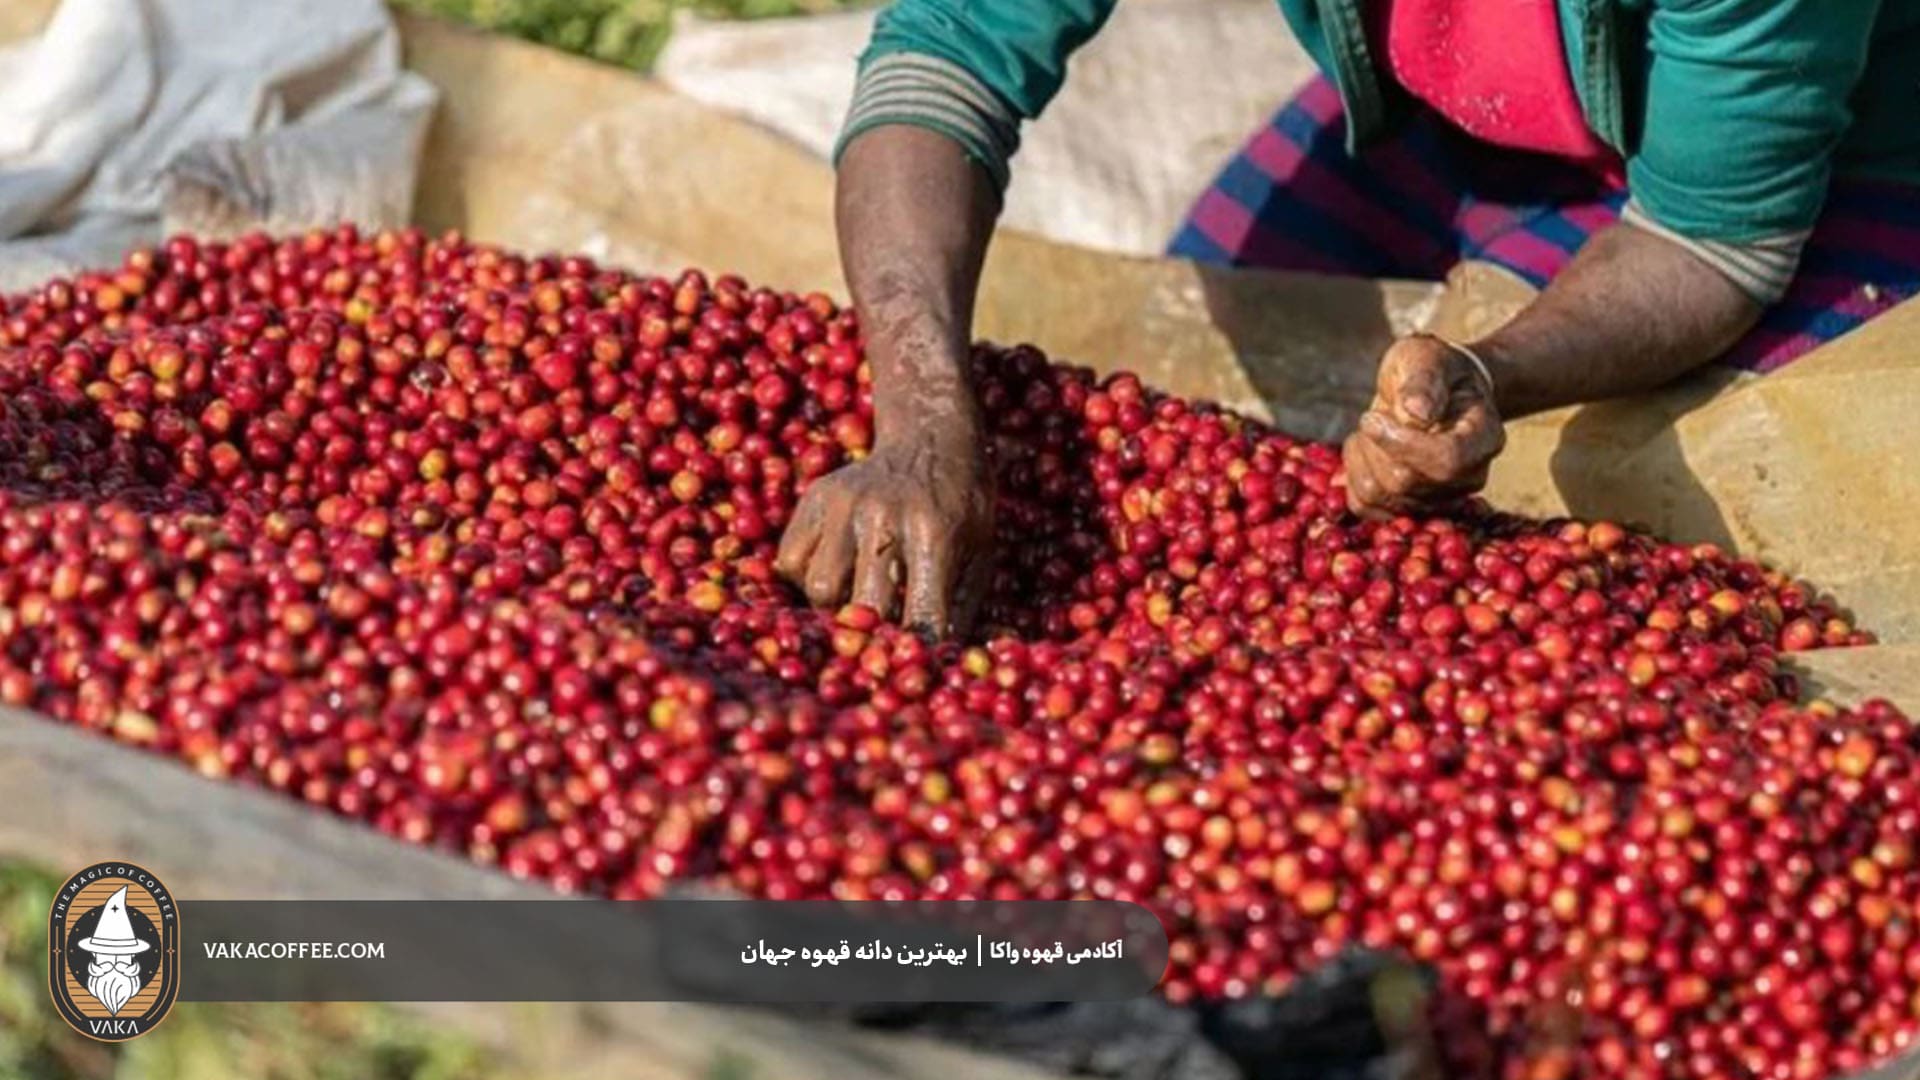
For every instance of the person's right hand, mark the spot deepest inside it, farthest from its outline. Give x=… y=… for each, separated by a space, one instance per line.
x=916 y=513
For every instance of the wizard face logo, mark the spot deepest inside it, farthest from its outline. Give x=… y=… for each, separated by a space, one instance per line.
x=114 y=958
x=115 y=973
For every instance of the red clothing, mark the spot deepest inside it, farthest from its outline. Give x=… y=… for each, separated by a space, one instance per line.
x=1496 y=69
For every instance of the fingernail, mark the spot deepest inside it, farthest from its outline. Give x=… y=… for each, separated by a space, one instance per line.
x=1420 y=407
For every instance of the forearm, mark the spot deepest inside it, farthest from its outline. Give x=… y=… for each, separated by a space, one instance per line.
x=914 y=217
x=1631 y=312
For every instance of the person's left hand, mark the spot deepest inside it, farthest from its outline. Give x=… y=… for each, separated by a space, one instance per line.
x=1429 y=435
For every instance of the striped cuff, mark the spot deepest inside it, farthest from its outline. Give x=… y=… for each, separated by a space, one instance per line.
x=1760 y=268
x=926 y=91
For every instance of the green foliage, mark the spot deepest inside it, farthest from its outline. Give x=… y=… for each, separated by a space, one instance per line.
x=629 y=33
x=201 y=1041
x=728 y=1065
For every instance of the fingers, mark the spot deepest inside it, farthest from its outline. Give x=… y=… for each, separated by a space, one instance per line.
x=1448 y=458
x=840 y=551
x=1377 y=486
x=867 y=535
x=1439 y=457
x=874 y=580
x=1393 y=468
x=1413 y=382
x=832 y=564
x=931 y=561
x=798 y=542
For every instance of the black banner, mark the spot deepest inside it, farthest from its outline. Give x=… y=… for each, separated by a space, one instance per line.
x=669 y=950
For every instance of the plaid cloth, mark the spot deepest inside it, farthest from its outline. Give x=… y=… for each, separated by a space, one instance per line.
x=1429 y=197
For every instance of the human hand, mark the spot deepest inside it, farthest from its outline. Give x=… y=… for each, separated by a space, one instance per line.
x=916 y=513
x=1430 y=433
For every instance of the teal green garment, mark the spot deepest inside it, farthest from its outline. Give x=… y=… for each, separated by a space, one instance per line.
x=1732 y=115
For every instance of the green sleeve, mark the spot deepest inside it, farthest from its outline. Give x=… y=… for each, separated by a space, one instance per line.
x=1746 y=103
x=972 y=70
x=1018 y=48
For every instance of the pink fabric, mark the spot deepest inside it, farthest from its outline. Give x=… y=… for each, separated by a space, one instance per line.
x=1497 y=69
x=1416 y=203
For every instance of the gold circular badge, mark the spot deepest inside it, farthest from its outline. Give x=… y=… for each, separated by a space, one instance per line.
x=113 y=941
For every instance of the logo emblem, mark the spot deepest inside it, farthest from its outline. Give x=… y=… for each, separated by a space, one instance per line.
x=114 y=951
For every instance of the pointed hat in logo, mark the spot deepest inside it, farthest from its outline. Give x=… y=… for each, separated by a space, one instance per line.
x=114 y=935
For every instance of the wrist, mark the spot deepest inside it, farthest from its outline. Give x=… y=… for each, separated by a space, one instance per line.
x=1510 y=366
x=932 y=412
x=942 y=429
x=952 y=449
x=1482 y=372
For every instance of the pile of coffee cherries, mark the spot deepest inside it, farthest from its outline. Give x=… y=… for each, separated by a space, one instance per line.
x=478 y=547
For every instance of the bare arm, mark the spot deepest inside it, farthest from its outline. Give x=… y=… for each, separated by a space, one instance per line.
x=1633 y=311
x=914 y=217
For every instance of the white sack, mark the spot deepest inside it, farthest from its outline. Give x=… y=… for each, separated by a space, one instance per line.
x=128 y=117
x=1152 y=108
